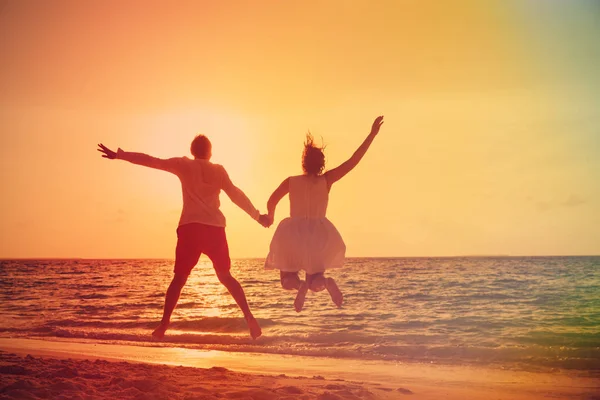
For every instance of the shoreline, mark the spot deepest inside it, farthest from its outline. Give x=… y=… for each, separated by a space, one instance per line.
x=383 y=380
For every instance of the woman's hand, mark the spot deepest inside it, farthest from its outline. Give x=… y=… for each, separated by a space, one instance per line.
x=265 y=220
x=376 y=125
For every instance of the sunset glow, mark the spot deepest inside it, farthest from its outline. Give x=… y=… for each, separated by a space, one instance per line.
x=490 y=143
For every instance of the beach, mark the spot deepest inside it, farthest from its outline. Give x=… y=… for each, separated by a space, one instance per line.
x=32 y=369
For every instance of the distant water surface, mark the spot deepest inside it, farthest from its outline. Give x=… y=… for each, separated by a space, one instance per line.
x=516 y=312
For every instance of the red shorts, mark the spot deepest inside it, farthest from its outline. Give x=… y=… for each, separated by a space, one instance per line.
x=195 y=239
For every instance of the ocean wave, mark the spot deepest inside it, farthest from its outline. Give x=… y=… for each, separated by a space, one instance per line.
x=93 y=296
x=203 y=325
x=522 y=357
x=91 y=286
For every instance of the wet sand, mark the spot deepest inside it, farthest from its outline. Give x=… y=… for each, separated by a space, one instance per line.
x=38 y=369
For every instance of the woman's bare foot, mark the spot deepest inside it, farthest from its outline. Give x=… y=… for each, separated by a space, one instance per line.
x=334 y=292
x=159 y=332
x=254 y=328
x=301 y=296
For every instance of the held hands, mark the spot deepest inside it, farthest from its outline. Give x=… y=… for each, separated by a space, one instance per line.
x=107 y=153
x=376 y=125
x=265 y=220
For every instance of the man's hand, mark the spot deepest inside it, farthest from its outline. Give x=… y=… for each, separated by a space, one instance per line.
x=376 y=125
x=107 y=153
x=265 y=220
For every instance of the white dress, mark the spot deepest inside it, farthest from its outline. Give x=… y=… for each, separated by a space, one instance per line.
x=306 y=240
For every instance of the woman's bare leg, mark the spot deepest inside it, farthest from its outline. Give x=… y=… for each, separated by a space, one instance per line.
x=301 y=296
x=290 y=280
x=334 y=292
x=316 y=282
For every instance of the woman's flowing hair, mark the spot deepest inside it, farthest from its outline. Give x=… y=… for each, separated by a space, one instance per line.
x=313 y=158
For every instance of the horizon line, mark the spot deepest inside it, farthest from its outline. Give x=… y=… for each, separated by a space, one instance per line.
x=351 y=257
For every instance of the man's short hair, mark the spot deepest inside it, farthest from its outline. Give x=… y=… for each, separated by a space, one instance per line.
x=201 y=147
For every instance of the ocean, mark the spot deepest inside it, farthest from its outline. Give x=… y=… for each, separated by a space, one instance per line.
x=530 y=313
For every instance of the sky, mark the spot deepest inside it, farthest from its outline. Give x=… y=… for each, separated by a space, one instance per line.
x=490 y=143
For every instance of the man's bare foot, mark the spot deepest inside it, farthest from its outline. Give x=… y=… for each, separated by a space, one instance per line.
x=301 y=296
x=159 y=332
x=334 y=292
x=254 y=328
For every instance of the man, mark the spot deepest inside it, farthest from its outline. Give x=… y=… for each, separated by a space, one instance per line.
x=202 y=224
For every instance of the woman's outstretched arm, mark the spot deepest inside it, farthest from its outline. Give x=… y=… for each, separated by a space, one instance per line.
x=277 y=195
x=339 y=172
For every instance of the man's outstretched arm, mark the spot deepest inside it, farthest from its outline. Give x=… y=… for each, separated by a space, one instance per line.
x=170 y=164
x=238 y=197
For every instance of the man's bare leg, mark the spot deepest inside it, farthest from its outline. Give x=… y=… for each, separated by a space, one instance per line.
x=334 y=292
x=171 y=299
x=237 y=292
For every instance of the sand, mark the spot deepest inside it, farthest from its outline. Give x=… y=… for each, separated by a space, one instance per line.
x=34 y=369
